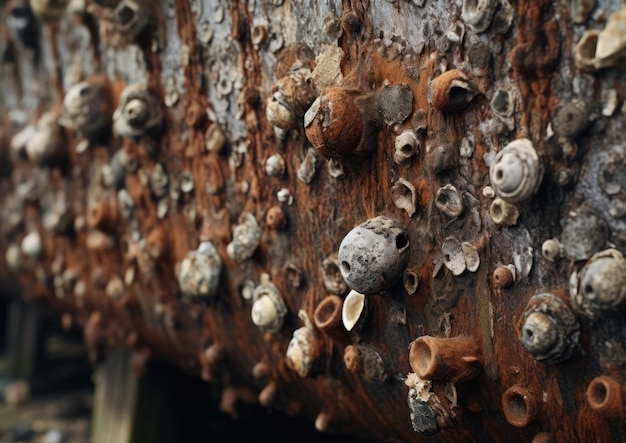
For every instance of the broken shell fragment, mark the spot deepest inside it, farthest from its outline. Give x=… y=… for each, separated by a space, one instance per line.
x=373 y=255
x=428 y=412
x=603 y=49
x=449 y=201
x=404 y=196
x=290 y=97
x=520 y=406
x=246 y=238
x=354 y=310
x=366 y=361
x=304 y=349
x=503 y=213
x=453 y=257
x=516 y=172
x=472 y=259
x=32 y=245
x=131 y=17
x=600 y=287
x=268 y=308
x=308 y=169
x=199 y=272
x=275 y=166
x=550 y=331
x=406 y=146
x=452 y=91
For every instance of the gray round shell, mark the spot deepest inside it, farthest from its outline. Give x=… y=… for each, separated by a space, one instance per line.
x=200 y=270
x=516 y=172
x=373 y=255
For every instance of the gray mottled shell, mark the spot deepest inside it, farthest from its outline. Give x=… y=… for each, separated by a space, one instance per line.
x=516 y=172
x=199 y=272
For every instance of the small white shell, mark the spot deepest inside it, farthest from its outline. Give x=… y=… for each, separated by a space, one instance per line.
x=264 y=312
x=503 y=213
x=472 y=258
x=13 y=257
x=308 y=168
x=453 y=256
x=268 y=308
x=406 y=146
x=478 y=13
x=32 y=244
x=199 y=272
x=404 y=196
x=353 y=309
x=552 y=250
x=516 y=172
x=449 y=201
x=300 y=350
x=275 y=166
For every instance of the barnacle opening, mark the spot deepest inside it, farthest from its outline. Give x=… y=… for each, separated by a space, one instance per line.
x=402 y=241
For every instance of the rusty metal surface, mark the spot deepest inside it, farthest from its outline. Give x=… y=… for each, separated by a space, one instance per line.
x=262 y=133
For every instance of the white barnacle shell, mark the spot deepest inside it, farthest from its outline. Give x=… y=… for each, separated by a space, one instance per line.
x=353 y=310
x=139 y=112
x=275 y=166
x=32 y=244
x=600 y=287
x=516 y=172
x=199 y=272
x=404 y=196
x=611 y=47
x=453 y=256
x=268 y=308
x=301 y=349
x=478 y=13
x=449 y=201
x=246 y=238
x=472 y=258
x=552 y=250
x=406 y=146
x=503 y=213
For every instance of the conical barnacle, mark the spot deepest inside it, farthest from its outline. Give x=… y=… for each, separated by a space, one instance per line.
x=303 y=350
x=268 y=308
x=516 y=172
x=549 y=331
x=600 y=287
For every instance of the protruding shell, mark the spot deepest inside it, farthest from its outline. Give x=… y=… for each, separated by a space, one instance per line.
x=373 y=255
x=516 y=172
x=504 y=276
x=341 y=122
x=600 y=288
x=552 y=250
x=268 y=308
x=354 y=310
x=303 y=350
x=446 y=359
x=275 y=218
x=585 y=50
x=449 y=201
x=331 y=275
x=453 y=257
x=404 y=196
x=503 y=213
x=452 y=91
x=246 y=238
x=139 y=112
x=45 y=143
x=88 y=105
x=411 y=281
x=430 y=412
x=607 y=397
x=572 y=119
x=472 y=258
x=549 y=330
x=131 y=17
x=290 y=97
x=503 y=103
x=214 y=139
x=32 y=244
x=520 y=406
x=327 y=315
x=406 y=146
x=199 y=272
x=478 y=13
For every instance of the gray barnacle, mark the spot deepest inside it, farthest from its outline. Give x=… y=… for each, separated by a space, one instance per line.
x=246 y=238
x=275 y=166
x=131 y=17
x=478 y=13
x=290 y=97
x=600 y=287
x=268 y=308
x=395 y=103
x=303 y=349
x=552 y=250
x=373 y=255
x=139 y=113
x=45 y=145
x=331 y=275
x=503 y=213
x=516 y=172
x=427 y=412
x=308 y=169
x=549 y=331
x=88 y=107
x=572 y=119
x=199 y=272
